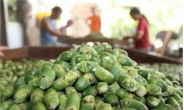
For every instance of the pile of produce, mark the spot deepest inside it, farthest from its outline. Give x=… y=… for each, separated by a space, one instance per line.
x=92 y=78
x=10 y=70
x=95 y=36
x=174 y=72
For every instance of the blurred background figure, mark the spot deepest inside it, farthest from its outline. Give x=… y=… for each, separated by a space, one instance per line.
x=49 y=31
x=95 y=21
x=80 y=28
x=141 y=37
x=64 y=28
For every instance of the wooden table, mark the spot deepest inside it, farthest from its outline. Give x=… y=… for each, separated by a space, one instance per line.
x=85 y=40
x=34 y=52
x=149 y=57
x=53 y=52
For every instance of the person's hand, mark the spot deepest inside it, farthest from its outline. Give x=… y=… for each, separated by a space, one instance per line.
x=126 y=38
x=71 y=37
x=1 y=54
x=3 y=48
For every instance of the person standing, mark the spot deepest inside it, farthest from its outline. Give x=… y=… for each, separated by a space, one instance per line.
x=49 y=31
x=95 y=21
x=141 y=37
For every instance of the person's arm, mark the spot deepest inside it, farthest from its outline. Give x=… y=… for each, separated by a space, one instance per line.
x=139 y=33
x=87 y=21
x=63 y=30
x=140 y=29
x=128 y=37
x=1 y=54
x=2 y=48
x=46 y=25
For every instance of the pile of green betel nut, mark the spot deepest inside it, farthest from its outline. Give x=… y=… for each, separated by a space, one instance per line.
x=10 y=71
x=174 y=72
x=94 y=77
